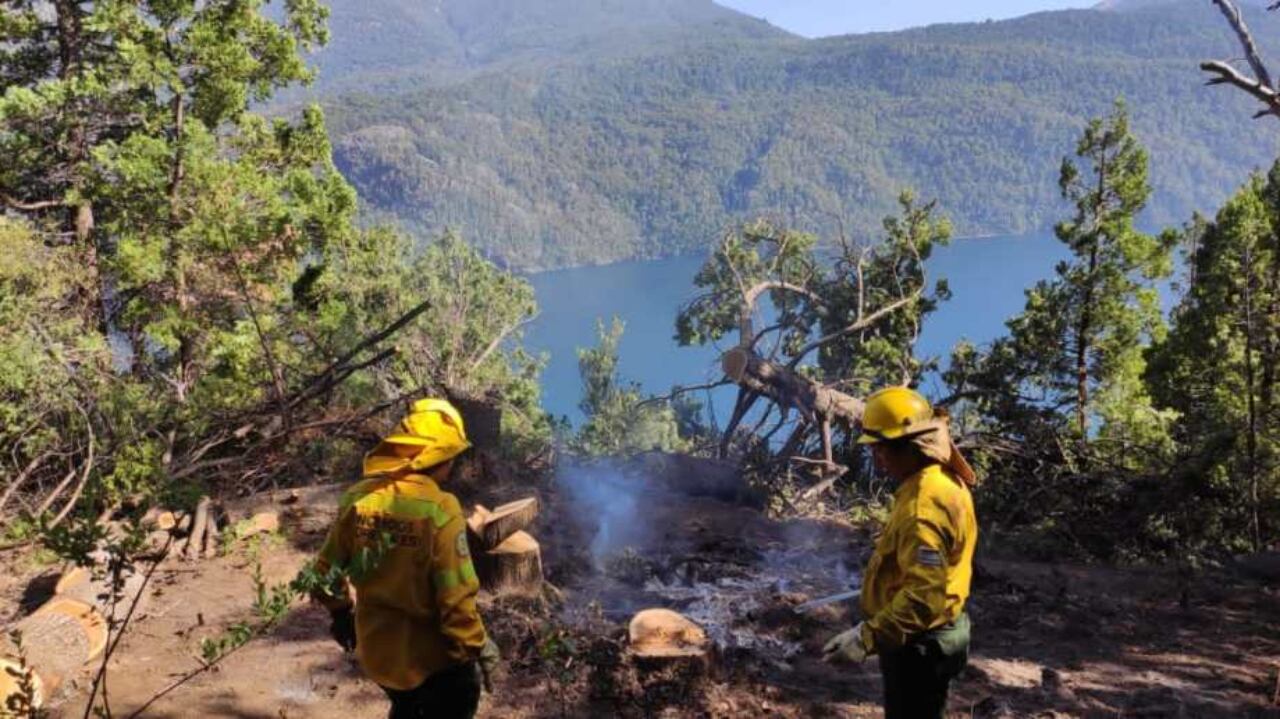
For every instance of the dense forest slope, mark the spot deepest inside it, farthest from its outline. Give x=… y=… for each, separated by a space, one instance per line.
x=597 y=154
x=396 y=45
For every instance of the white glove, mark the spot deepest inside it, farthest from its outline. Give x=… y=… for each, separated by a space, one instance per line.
x=846 y=647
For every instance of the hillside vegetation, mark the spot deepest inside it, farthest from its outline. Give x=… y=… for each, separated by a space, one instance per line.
x=601 y=156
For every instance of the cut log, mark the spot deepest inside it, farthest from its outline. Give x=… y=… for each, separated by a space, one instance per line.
x=506 y=520
x=195 y=543
x=69 y=630
x=81 y=585
x=514 y=565
x=475 y=522
x=664 y=637
x=160 y=519
x=58 y=639
x=211 y=537
x=72 y=581
x=260 y=523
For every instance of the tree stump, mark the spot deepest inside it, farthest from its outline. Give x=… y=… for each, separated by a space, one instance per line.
x=65 y=633
x=58 y=639
x=483 y=421
x=661 y=638
x=516 y=564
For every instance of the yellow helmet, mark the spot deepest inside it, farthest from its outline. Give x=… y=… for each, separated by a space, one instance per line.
x=436 y=426
x=895 y=413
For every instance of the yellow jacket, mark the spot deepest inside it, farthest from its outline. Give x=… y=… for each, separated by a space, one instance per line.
x=918 y=577
x=403 y=541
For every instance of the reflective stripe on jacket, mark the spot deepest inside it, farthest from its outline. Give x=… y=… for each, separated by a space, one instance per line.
x=918 y=578
x=404 y=541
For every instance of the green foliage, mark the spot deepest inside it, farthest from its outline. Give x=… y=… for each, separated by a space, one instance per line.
x=598 y=157
x=183 y=265
x=1218 y=370
x=884 y=354
x=467 y=344
x=619 y=422
x=1075 y=354
x=1064 y=395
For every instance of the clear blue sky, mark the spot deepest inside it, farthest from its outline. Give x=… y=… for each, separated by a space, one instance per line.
x=818 y=18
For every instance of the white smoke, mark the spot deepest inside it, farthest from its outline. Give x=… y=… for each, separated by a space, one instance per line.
x=612 y=506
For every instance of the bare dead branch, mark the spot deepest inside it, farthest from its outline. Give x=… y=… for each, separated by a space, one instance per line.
x=28 y=206
x=1228 y=75
x=85 y=473
x=1251 y=53
x=858 y=325
x=1261 y=86
x=677 y=391
x=497 y=342
x=338 y=364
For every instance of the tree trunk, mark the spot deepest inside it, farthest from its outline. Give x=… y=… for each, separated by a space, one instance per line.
x=195 y=543
x=1250 y=379
x=790 y=389
x=1082 y=349
x=516 y=564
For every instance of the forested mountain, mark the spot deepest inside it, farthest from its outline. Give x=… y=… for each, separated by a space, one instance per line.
x=594 y=156
x=392 y=45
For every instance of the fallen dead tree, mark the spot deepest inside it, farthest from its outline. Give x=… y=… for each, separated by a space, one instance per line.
x=824 y=314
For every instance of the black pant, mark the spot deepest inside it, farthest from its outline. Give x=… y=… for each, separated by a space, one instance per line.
x=918 y=675
x=453 y=693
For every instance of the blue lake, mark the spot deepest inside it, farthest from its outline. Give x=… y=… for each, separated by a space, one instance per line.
x=987 y=278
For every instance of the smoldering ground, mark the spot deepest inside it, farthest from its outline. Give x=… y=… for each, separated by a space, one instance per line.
x=662 y=534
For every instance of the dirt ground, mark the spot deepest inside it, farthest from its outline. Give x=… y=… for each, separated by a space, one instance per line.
x=1049 y=641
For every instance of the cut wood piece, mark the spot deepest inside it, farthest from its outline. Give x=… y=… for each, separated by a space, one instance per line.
x=661 y=634
x=70 y=629
x=72 y=579
x=58 y=639
x=506 y=520
x=476 y=521
x=157 y=518
x=211 y=537
x=516 y=564
x=195 y=544
x=83 y=586
x=260 y=523
x=92 y=624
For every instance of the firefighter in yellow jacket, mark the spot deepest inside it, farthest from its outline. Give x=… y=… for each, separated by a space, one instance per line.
x=401 y=541
x=917 y=581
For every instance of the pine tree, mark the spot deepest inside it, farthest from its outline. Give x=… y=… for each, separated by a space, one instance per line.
x=1076 y=350
x=1218 y=370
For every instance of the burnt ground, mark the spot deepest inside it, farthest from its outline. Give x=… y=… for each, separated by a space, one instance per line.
x=1049 y=640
